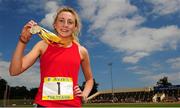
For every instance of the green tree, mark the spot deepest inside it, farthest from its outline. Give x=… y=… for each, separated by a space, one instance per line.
x=3 y=84
x=94 y=89
x=32 y=93
x=163 y=82
x=19 y=92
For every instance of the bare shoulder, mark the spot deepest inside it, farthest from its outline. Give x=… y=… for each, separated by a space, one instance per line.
x=83 y=52
x=42 y=43
x=83 y=49
x=41 y=46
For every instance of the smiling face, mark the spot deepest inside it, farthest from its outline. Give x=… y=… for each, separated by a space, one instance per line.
x=65 y=24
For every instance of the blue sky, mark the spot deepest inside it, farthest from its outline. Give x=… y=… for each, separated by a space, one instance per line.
x=140 y=37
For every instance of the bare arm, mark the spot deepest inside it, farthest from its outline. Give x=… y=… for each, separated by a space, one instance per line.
x=85 y=64
x=19 y=62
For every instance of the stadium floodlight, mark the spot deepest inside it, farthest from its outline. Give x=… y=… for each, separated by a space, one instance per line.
x=110 y=65
x=5 y=95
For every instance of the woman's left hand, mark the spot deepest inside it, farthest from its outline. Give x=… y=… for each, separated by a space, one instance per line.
x=78 y=92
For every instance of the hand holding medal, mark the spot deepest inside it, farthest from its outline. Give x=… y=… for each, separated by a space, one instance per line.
x=46 y=35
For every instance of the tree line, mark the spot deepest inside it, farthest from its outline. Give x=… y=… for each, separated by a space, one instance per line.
x=17 y=92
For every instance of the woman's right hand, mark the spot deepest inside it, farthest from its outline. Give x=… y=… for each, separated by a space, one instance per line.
x=25 y=33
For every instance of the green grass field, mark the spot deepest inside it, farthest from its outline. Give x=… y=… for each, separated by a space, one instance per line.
x=133 y=105
x=28 y=103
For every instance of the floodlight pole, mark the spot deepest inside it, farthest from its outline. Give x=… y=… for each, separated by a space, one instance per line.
x=110 y=65
x=5 y=95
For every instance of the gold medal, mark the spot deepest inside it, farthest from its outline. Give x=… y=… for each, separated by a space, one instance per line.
x=46 y=35
x=50 y=37
x=35 y=29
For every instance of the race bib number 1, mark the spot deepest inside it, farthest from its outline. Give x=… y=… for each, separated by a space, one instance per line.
x=57 y=88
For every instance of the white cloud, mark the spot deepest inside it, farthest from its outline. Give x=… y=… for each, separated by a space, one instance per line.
x=174 y=62
x=30 y=6
x=101 y=12
x=139 y=70
x=29 y=78
x=174 y=78
x=88 y=8
x=38 y=6
x=46 y=7
x=48 y=20
x=164 y=7
x=135 y=57
x=120 y=27
x=152 y=73
x=51 y=8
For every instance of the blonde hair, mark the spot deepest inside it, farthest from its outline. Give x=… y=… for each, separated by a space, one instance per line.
x=77 y=21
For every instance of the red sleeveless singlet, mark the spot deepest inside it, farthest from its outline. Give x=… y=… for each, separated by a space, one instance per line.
x=59 y=62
